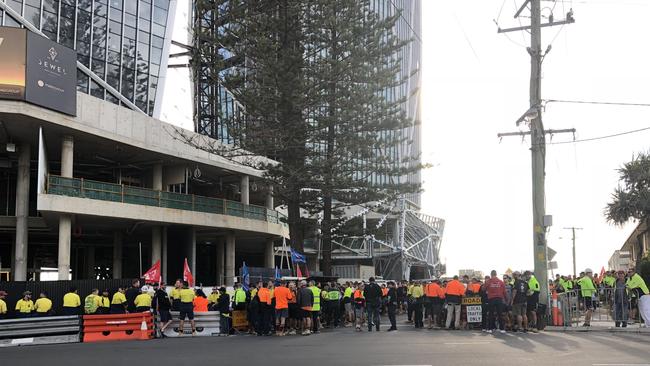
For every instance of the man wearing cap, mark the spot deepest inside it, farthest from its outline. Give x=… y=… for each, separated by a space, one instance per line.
x=587 y=291
x=25 y=306
x=3 y=305
x=143 y=301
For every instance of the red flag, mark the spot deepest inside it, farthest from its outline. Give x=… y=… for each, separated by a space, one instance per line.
x=602 y=273
x=153 y=274
x=306 y=271
x=187 y=274
x=298 y=273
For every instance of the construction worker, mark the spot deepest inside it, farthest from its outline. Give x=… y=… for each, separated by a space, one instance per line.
x=417 y=293
x=25 y=306
x=454 y=294
x=283 y=296
x=240 y=298
x=294 y=310
x=587 y=291
x=325 y=306
x=315 y=310
x=347 y=304
x=131 y=293
x=186 y=308
x=223 y=306
x=175 y=294
x=118 y=303
x=533 y=298
x=3 y=305
x=621 y=301
x=391 y=305
x=372 y=293
x=266 y=311
x=359 y=306
x=638 y=289
x=518 y=301
x=306 y=303
x=333 y=298
x=71 y=302
x=212 y=298
x=92 y=302
x=435 y=296
x=104 y=303
x=143 y=301
x=43 y=305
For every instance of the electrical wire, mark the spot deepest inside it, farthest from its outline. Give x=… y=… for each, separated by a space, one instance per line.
x=599 y=137
x=406 y=21
x=596 y=102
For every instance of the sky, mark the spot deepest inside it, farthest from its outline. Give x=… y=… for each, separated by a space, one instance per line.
x=475 y=85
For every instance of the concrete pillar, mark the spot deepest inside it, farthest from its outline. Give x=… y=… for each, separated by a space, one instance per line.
x=90 y=262
x=163 y=264
x=269 y=199
x=22 y=213
x=221 y=243
x=117 y=254
x=229 y=267
x=65 y=221
x=269 y=257
x=244 y=189
x=156 y=244
x=67 y=156
x=65 y=233
x=157 y=177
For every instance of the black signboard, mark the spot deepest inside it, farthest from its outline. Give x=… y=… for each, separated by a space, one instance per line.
x=39 y=71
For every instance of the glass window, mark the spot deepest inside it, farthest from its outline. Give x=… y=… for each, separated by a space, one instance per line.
x=113 y=57
x=117 y=4
x=99 y=52
x=69 y=2
x=131 y=7
x=34 y=3
x=115 y=15
x=85 y=5
x=158 y=30
x=16 y=5
x=129 y=20
x=143 y=36
x=66 y=32
x=145 y=11
x=101 y=10
x=67 y=11
x=156 y=54
x=84 y=59
x=96 y=90
x=154 y=69
x=144 y=24
x=49 y=5
x=157 y=41
x=33 y=15
x=143 y=69
x=162 y=3
x=115 y=28
x=10 y=22
x=111 y=98
x=128 y=48
x=127 y=83
x=99 y=68
x=49 y=22
x=114 y=43
x=159 y=15
x=129 y=32
x=82 y=81
x=143 y=51
x=128 y=62
x=49 y=34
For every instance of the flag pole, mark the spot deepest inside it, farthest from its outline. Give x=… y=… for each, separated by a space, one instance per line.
x=140 y=250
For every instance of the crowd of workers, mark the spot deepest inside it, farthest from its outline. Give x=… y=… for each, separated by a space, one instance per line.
x=301 y=307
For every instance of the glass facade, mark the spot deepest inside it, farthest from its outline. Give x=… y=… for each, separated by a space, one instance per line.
x=121 y=41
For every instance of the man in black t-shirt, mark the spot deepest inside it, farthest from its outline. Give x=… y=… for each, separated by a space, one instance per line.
x=162 y=304
x=519 y=300
x=131 y=294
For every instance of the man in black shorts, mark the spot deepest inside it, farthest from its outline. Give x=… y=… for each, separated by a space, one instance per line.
x=187 y=296
x=162 y=306
x=306 y=303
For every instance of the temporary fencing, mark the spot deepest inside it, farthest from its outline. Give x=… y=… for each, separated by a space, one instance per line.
x=40 y=330
x=118 y=327
x=609 y=307
x=207 y=324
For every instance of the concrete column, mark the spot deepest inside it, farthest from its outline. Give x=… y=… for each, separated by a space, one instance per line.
x=22 y=213
x=157 y=177
x=67 y=156
x=244 y=189
x=269 y=199
x=90 y=262
x=65 y=221
x=117 y=254
x=221 y=243
x=229 y=271
x=65 y=233
x=269 y=258
x=156 y=244
x=163 y=264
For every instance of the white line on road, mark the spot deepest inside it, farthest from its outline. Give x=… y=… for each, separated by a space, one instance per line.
x=620 y=364
x=464 y=343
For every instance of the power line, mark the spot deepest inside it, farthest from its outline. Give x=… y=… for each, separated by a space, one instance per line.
x=599 y=137
x=401 y=14
x=596 y=102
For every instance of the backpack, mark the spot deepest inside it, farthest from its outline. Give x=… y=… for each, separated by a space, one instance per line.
x=90 y=306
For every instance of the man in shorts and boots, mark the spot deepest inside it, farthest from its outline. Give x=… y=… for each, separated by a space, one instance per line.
x=162 y=306
x=306 y=303
x=186 y=308
x=587 y=291
x=519 y=302
x=359 y=306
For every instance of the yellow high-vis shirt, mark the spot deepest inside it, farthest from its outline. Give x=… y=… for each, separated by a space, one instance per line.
x=176 y=294
x=43 y=305
x=3 y=307
x=71 y=300
x=417 y=292
x=118 y=298
x=142 y=300
x=213 y=297
x=187 y=295
x=25 y=306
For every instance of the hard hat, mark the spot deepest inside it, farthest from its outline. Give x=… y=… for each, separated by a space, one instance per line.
x=144 y=288
x=588 y=270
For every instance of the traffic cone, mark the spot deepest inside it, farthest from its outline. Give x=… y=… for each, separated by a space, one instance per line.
x=144 y=332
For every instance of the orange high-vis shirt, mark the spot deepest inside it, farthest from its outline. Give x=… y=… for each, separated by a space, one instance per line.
x=200 y=304
x=264 y=294
x=282 y=297
x=384 y=292
x=454 y=287
x=432 y=290
x=475 y=287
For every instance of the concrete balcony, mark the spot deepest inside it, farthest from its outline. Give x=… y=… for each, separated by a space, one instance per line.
x=101 y=199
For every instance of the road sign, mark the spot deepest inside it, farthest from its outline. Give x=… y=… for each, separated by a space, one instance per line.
x=472 y=300
x=550 y=253
x=474 y=314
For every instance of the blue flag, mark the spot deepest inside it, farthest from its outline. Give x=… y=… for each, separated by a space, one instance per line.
x=277 y=274
x=297 y=257
x=246 y=281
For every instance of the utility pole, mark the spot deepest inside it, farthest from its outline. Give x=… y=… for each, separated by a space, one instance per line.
x=538 y=136
x=573 y=238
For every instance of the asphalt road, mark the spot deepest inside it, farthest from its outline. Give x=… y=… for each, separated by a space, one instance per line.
x=407 y=346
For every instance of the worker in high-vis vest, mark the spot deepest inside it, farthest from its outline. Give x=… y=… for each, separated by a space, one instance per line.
x=334 y=296
x=359 y=306
x=347 y=303
x=324 y=305
x=315 y=309
x=104 y=303
x=240 y=298
x=43 y=305
x=533 y=298
x=118 y=303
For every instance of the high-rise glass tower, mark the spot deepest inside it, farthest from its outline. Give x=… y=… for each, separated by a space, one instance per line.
x=121 y=45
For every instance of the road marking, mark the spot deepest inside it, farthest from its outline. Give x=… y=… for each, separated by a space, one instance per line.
x=464 y=343
x=620 y=364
